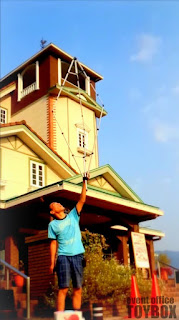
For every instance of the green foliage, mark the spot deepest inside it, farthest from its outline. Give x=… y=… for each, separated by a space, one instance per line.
x=163 y=258
x=104 y=278
x=93 y=243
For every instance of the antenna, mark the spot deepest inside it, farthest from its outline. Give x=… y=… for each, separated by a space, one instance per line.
x=42 y=43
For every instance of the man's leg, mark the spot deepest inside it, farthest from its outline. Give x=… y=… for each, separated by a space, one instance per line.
x=61 y=299
x=63 y=273
x=77 y=277
x=76 y=300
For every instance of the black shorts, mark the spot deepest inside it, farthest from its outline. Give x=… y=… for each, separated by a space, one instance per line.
x=70 y=267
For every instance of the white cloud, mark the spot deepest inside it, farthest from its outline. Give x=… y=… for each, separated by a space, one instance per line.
x=148 y=47
x=175 y=90
x=164 y=132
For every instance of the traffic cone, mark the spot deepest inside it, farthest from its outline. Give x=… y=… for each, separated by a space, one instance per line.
x=135 y=307
x=155 y=301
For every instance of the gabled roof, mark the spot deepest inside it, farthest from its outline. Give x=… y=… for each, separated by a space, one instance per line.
x=113 y=195
x=38 y=145
x=121 y=188
x=52 y=49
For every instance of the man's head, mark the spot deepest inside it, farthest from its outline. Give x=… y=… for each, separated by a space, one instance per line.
x=57 y=210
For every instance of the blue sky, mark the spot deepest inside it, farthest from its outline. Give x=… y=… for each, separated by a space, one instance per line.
x=135 y=46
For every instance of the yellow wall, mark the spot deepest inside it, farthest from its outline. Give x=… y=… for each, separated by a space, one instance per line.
x=15 y=168
x=36 y=117
x=100 y=182
x=68 y=114
x=6 y=104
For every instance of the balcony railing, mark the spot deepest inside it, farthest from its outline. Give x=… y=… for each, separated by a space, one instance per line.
x=28 y=90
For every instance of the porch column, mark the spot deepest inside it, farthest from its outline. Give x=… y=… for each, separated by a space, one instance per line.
x=150 y=249
x=11 y=252
x=134 y=228
x=125 y=250
x=122 y=252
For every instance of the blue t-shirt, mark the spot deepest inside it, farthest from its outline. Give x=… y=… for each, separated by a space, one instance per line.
x=67 y=233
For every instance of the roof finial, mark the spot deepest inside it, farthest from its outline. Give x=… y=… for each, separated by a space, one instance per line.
x=42 y=43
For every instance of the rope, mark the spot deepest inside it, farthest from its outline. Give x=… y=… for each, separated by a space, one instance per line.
x=95 y=139
x=78 y=84
x=67 y=144
x=68 y=72
x=77 y=72
x=65 y=79
x=99 y=122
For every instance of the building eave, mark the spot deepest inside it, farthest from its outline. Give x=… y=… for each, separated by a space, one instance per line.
x=7 y=89
x=95 y=198
x=151 y=232
x=30 y=138
x=52 y=48
x=93 y=105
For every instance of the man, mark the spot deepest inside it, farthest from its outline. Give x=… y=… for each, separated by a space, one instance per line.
x=64 y=230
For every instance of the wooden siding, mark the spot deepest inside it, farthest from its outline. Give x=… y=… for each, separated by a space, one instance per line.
x=92 y=91
x=46 y=68
x=39 y=263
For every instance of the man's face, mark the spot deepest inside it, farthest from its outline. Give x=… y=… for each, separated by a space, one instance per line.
x=56 y=208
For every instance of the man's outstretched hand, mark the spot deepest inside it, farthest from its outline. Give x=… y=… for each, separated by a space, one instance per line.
x=86 y=176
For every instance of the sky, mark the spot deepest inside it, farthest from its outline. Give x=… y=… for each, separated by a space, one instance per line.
x=134 y=45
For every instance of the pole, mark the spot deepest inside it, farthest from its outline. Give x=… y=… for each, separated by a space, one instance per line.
x=28 y=297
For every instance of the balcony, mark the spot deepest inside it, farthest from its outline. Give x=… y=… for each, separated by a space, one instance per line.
x=29 y=89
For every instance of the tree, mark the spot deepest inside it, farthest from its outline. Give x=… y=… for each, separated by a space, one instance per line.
x=164 y=259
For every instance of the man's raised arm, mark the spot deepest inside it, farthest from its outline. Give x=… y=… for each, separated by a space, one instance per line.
x=82 y=200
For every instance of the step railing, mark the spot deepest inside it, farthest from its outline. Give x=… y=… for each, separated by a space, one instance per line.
x=9 y=267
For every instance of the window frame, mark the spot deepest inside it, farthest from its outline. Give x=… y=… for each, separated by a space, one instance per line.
x=37 y=165
x=85 y=134
x=3 y=109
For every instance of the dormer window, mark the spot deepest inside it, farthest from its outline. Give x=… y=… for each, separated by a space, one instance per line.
x=28 y=80
x=3 y=115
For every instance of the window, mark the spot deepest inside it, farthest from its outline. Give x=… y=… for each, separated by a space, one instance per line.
x=36 y=174
x=3 y=115
x=82 y=139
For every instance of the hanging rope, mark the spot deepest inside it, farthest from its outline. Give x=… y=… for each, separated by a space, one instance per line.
x=83 y=123
x=67 y=144
x=68 y=72
x=99 y=122
x=76 y=63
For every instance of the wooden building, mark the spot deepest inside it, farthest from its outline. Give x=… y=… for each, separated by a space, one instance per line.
x=37 y=166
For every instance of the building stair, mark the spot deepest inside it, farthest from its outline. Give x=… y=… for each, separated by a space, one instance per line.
x=13 y=302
